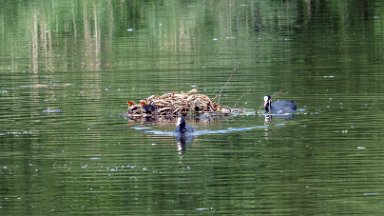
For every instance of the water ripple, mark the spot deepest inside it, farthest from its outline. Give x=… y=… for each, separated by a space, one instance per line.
x=205 y=132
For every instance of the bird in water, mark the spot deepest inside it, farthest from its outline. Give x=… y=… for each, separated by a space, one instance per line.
x=182 y=127
x=183 y=134
x=148 y=108
x=279 y=106
x=132 y=107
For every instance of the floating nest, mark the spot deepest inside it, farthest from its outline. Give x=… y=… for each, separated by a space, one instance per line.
x=173 y=104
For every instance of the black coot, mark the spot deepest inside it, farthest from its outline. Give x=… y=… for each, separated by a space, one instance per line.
x=183 y=134
x=279 y=106
x=182 y=127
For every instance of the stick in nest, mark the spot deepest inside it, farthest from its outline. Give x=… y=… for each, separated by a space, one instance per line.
x=227 y=83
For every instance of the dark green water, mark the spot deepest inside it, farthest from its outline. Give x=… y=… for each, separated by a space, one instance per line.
x=87 y=58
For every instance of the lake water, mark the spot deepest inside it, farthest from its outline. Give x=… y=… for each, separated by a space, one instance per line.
x=68 y=68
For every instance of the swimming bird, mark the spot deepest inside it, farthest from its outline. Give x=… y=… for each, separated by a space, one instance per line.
x=279 y=106
x=182 y=127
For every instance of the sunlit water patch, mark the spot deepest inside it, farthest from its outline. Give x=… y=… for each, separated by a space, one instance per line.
x=52 y=110
x=15 y=133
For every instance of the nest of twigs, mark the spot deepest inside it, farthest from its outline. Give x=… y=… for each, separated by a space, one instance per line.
x=176 y=104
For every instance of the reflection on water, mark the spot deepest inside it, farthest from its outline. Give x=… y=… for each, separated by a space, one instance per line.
x=68 y=67
x=183 y=140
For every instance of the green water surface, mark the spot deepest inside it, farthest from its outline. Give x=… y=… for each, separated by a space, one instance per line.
x=87 y=58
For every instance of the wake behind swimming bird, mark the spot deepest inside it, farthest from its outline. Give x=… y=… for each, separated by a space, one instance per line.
x=205 y=131
x=184 y=129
